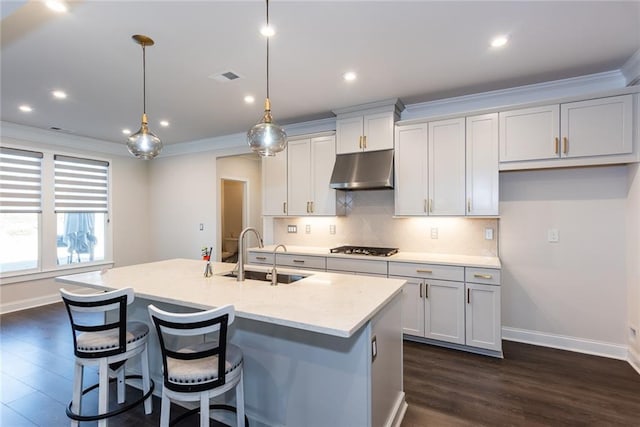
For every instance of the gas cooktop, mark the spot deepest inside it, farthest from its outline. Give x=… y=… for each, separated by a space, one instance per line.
x=364 y=250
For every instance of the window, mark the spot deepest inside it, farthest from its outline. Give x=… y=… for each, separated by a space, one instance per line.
x=20 y=209
x=54 y=211
x=81 y=204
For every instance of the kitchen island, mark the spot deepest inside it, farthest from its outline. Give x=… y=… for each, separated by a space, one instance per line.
x=324 y=350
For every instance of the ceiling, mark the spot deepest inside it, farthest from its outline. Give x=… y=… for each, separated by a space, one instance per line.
x=413 y=50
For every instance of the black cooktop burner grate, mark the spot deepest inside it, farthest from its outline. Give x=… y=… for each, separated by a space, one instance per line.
x=364 y=250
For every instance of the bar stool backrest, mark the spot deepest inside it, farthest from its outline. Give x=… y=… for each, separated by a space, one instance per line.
x=205 y=333
x=89 y=317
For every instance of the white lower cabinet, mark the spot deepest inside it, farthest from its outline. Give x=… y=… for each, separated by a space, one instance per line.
x=451 y=311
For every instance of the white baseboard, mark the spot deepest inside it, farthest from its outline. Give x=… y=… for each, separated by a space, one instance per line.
x=580 y=345
x=634 y=360
x=29 y=303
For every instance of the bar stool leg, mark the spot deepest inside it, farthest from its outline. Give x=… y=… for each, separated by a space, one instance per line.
x=204 y=409
x=144 y=361
x=76 y=400
x=240 y=401
x=165 y=408
x=103 y=391
x=120 y=372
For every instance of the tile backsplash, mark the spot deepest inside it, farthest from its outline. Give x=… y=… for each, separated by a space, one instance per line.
x=370 y=222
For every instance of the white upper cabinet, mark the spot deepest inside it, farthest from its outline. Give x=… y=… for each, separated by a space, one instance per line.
x=310 y=163
x=597 y=127
x=274 y=184
x=446 y=167
x=530 y=134
x=410 y=165
x=594 y=131
x=482 y=165
x=368 y=127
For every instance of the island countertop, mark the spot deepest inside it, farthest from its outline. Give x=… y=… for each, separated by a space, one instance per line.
x=327 y=303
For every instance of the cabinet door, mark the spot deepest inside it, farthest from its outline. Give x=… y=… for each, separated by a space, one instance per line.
x=483 y=327
x=299 y=176
x=444 y=311
x=412 y=306
x=597 y=127
x=530 y=134
x=447 y=167
x=378 y=131
x=323 y=157
x=274 y=184
x=348 y=135
x=410 y=169
x=482 y=165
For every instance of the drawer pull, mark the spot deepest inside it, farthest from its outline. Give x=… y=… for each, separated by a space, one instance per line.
x=483 y=276
x=423 y=271
x=299 y=261
x=261 y=258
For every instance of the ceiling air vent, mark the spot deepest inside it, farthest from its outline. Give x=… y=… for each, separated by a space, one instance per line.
x=225 y=76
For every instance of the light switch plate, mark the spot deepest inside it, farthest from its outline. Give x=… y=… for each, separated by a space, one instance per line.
x=488 y=233
x=434 y=233
x=292 y=228
x=553 y=235
x=332 y=229
x=307 y=228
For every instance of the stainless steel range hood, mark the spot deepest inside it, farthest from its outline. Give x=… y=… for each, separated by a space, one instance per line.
x=365 y=170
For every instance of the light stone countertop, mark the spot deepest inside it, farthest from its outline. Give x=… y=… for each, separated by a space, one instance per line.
x=327 y=303
x=421 y=257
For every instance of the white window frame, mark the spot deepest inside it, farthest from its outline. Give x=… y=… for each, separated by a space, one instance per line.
x=47 y=223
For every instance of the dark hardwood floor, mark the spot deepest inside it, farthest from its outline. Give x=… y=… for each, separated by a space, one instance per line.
x=532 y=386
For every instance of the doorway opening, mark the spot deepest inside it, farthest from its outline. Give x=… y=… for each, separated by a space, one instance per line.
x=232 y=216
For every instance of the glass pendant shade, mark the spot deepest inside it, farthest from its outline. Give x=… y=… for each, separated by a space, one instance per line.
x=267 y=138
x=144 y=144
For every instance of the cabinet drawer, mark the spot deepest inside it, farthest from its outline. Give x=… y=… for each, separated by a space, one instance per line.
x=260 y=258
x=357 y=265
x=489 y=276
x=301 y=261
x=427 y=271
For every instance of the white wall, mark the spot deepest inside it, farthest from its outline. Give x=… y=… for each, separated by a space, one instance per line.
x=633 y=263
x=577 y=287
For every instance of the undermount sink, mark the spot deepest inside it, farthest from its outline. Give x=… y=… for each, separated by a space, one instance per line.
x=266 y=276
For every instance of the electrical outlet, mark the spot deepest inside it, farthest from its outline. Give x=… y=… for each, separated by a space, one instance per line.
x=434 y=233
x=292 y=228
x=332 y=229
x=488 y=234
x=553 y=235
x=307 y=228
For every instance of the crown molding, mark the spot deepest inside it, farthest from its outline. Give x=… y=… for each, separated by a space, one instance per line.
x=505 y=98
x=631 y=69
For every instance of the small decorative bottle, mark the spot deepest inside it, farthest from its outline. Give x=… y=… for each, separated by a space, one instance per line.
x=206 y=256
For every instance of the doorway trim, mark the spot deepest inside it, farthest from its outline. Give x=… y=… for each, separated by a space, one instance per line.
x=245 y=208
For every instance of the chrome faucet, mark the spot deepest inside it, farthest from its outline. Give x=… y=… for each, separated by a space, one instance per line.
x=274 y=272
x=241 y=250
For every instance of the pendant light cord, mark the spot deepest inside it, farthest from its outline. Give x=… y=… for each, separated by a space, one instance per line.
x=267 y=50
x=144 y=81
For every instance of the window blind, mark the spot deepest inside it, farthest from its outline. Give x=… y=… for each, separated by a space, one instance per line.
x=20 y=181
x=81 y=185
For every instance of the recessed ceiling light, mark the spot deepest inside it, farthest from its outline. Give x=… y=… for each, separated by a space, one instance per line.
x=25 y=108
x=499 y=41
x=164 y=123
x=349 y=76
x=126 y=131
x=59 y=94
x=249 y=99
x=57 y=6
x=267 y=31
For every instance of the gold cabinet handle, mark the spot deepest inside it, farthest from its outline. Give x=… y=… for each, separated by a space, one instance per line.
x=430 y=205
x=469 y=204
x=468 y=296
x=307 y=207
x=482 y=276
x=360 y=142
x=300 y=261
x=565 y=149
x=311 y=207
x=419 y=270
x=364 y=141
x=425 y=206
x=261 y=258
x=557 y=145
x=284 y=207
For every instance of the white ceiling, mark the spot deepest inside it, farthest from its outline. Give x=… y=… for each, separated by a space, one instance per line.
x=413 y=50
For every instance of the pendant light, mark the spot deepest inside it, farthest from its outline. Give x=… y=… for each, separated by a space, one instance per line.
x=144 y=144
x=267 y=138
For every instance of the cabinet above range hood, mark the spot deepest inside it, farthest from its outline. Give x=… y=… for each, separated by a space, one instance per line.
x=363 y=170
